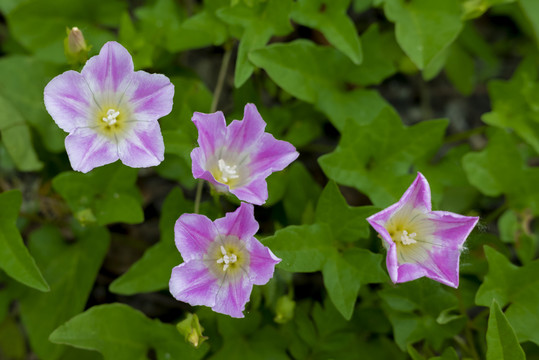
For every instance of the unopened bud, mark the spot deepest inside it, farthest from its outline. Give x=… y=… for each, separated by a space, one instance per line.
x=284 y=311
x=75 y=47
x=192 y=330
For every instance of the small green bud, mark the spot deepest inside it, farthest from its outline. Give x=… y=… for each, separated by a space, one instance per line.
x=284 y=311
x=75 y=47
x=192 y=330
x=85 y=217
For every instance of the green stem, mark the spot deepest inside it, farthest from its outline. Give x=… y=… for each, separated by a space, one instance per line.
x=467 y=332
x=215 y=102
x=465 y=134
x=494 y=215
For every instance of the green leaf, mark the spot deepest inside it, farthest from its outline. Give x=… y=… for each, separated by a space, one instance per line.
x=120 y=332
x=330 y=18
x=11 y=340
x=259 y=22
x=346 y=223
x=530 y=8
x=300 y=194
x=501 y=339
x=413 y=309
x=424 y=29
x=108 y=193
x=23 y=80
x=344 y=273
x=15 y=259
x=200 y=30
x=500 y=169
x=319 y=75
x=460 y=69
x=515 y=104
x=368 y=153
x=152 y=271
x=70 y=269
x=16 y=138
x=301 y=248
x=517 y=286
x=52 y=18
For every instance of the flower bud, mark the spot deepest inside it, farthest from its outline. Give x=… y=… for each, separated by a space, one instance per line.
x=192 y=330
x=284 y=311
x=75 y=47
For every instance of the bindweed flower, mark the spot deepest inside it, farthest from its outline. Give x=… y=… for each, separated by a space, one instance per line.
x=110 y=111
x=222 y=261
x=239 y=157
x=421 y=242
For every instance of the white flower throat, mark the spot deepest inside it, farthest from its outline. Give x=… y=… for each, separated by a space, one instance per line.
x=111 y=117
x=227 y=172
x=226 y=260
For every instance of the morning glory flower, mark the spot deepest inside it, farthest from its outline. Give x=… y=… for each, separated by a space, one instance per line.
x=110 y=111
x=421 y=242
x=239 y=157
x=222 y=261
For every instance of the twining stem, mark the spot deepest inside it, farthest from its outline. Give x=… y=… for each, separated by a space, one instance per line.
x=215 y=102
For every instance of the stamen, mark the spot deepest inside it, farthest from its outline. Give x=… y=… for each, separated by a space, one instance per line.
x=227 y=171
x=226 y=259
x=111 y=117
x=408 y=239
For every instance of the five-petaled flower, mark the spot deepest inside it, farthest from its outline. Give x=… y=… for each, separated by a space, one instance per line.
x=222 y=261
x=239 y=157
x=110 y=111
x=421 y=242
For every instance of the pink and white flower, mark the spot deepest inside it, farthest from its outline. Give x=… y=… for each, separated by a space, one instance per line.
x=239 y=157
x=421 y=242
x=222 y=261
x=110 y=111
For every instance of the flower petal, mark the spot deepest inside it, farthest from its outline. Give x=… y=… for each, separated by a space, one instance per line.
x=240 y=223
x=110 y=71
x=150 y=96
x=241 y=135
x=233 y=296
x=69 y=101
x=417 y=195
x=193 y=235
x=193 y=283
x=87 y=149
x=211 y=132
x=256 y=192
x=273 y=155
x=262 y=262
x=452 y=228
x=142 y=145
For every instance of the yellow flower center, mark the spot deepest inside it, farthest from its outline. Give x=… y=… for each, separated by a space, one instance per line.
x=111 y=120
x=227 y=174
x=227 y=257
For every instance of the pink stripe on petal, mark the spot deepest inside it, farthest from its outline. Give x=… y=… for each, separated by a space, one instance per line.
x=110 y=70
x=262 y=262
x=255 y=192
x=192 y=282
x=418 y=194
x=142 y=145
x=211 y=132
x=193 y=235
x=150 y=95
x=241 y=135
x=87 y=149
x=240 y=223
x=272 y=155
x=453 y=228
x=233 y=296
x=69 y=101
x=392 y=263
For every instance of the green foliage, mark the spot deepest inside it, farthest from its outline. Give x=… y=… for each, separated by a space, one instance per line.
x=106 y=195
x=368 y=153
x=15 y=259
x=516 y=286
x=501 y=339
x=119 y=332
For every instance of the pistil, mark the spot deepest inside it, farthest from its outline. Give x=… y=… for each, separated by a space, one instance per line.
x=226 y=260
x=111 y=117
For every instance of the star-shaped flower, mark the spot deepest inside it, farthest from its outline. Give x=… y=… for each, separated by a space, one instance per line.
x=222 y=261
x=421 y=242
x=110 y=111
x=239 y=157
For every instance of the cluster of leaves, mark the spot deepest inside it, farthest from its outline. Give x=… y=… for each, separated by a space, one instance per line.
x=81 y=255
